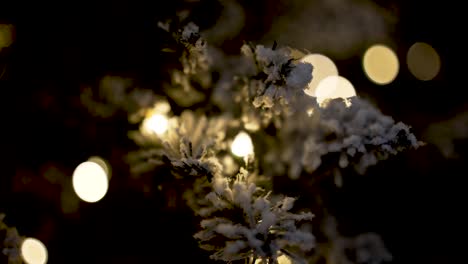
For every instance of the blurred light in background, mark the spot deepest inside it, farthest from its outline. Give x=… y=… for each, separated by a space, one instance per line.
x=380 y=64
x=90 y=181
x=242 y=145
x=6 y=35
x=156 y=123
x=322 y=68
x=423 y=61
x=334 y=87
x=33 y=251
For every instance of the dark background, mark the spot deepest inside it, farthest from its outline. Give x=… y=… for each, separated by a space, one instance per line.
x=414 y=200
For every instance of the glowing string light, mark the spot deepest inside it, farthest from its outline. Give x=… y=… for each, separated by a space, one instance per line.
x=90 y=181
x=33 y=251
x=380 y=64
x=334 y=87
x=156 y=123
x=322 y=68
x=242 y=145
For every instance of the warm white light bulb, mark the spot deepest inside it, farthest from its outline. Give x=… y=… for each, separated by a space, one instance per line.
x=334 y=87
x=322 y=68
x=90 y=182
x=156 y=123
x=33 y=251
x=380 y=64
x=242 y=145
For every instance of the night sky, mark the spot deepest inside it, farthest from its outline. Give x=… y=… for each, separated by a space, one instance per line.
x=413 y=200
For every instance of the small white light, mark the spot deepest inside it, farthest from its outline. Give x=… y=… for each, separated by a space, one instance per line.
x=33 y=251
x=323 y=67
x=156 y=123
x=380 y=64
x=334 y=87
x=90 y=182
x=242 y=145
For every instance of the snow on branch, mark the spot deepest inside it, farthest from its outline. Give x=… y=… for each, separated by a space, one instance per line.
x=188 y=146
x=242 y=221
x=358 y=135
